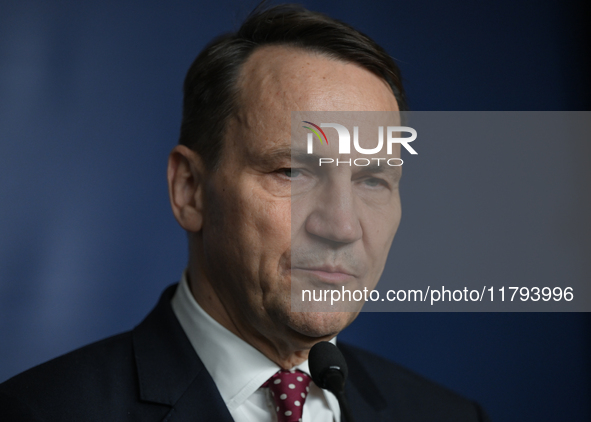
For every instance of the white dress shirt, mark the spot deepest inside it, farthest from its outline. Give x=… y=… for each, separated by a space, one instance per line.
x=239 y=370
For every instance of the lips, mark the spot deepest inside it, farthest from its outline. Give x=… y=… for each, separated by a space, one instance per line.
x=330 y=269
x=327 y=273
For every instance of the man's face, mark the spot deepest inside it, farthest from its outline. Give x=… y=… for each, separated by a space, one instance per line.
x=249 y=230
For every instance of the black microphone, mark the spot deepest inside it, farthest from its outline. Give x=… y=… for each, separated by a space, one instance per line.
x=329 y=371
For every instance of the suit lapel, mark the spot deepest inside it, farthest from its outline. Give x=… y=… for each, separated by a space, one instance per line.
x=365 y=400
x=170 y=372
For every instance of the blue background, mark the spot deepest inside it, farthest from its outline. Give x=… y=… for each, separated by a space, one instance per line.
x=90 y=106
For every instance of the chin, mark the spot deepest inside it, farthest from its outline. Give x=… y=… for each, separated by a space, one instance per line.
x=319 y=325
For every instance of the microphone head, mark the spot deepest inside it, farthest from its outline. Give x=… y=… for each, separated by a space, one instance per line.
x=323 y=357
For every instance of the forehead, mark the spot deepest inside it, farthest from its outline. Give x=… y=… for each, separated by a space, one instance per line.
x=276 y=80
x=296 y=79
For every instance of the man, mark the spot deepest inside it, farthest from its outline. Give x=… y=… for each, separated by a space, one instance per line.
x=221 y=344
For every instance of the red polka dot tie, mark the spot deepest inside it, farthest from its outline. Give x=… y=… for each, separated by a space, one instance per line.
x=289 y=391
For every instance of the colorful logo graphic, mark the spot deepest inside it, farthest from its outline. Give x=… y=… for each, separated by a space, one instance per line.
x=316 y=132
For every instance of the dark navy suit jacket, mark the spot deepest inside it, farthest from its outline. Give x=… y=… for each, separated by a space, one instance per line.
x=152 y=373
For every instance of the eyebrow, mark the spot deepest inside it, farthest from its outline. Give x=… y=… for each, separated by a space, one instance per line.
x=270 y=158
x=392 y=171
x=305 y=158
x=300 y=156
x=373 y=167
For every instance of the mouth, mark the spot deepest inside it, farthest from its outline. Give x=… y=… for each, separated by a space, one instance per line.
x=326 y=274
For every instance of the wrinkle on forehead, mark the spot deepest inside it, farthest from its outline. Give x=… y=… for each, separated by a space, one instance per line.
x=291 y=78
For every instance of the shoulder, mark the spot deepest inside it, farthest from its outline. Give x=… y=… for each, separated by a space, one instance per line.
x=136 y=375
x=88 y=373
x=108 y=357
x=403 y=393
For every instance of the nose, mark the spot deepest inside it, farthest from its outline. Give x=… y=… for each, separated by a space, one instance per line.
x=334 y=216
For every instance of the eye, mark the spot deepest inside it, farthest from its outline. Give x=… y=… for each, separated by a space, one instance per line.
x=290 y=172
x=373 y=182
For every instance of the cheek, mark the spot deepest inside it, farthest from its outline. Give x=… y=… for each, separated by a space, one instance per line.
x=379 y=233
x=272 y=228
x=272 y=219
x=300 y=210
x=256 y=228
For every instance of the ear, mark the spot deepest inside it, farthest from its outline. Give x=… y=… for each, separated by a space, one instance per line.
x=186 y=177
